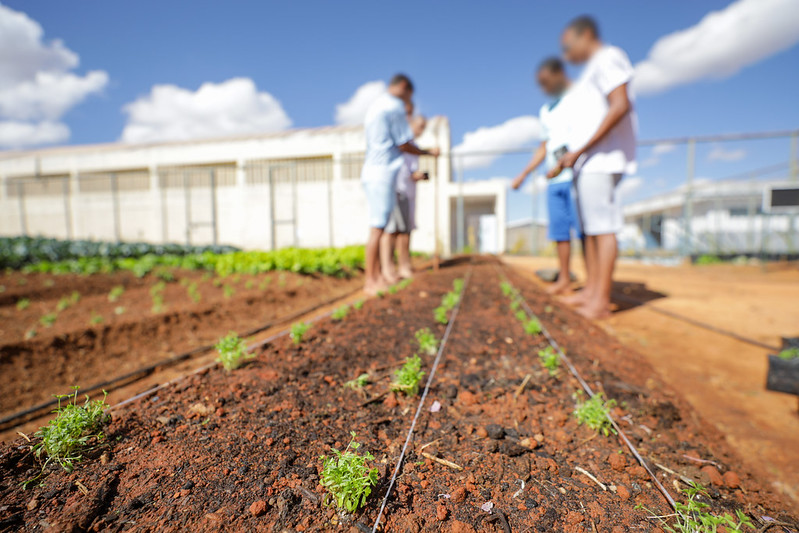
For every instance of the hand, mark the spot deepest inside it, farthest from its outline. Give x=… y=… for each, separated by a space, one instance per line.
x=435 y=152
x=554 y=172
x=418 y=175
x=517 y=181
x=569 y=159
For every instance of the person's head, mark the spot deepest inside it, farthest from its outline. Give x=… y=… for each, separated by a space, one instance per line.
x=551 y=76
x=418 y=124
x=580 y=39
x=401 y=86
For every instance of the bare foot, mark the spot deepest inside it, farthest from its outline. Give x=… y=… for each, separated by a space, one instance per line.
x=559 y=287
x=372 y=288
x=594 y=312
x=576 y=299
x=405 y=273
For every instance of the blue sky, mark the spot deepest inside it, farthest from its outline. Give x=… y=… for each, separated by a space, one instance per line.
x=471 y=61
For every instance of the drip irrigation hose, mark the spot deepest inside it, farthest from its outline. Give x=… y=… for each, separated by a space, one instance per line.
x=426 y=390
x=35 y=411
x=551 y=340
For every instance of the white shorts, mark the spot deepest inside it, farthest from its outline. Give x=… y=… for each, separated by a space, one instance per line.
x=598 y=203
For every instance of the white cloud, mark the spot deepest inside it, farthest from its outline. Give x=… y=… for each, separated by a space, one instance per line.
x=232 y=107
x=629 y=185
x=719 y=153
x=720 y=45
x=663 y=148
x=37 y=86
x=353 y=111
x=514 y=134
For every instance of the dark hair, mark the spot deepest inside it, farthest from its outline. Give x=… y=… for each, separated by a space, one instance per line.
x=396 y=79
x=552 y=64
x=583 y=23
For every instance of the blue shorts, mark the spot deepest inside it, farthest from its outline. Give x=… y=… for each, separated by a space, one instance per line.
x=380 y=186
x=562 y=212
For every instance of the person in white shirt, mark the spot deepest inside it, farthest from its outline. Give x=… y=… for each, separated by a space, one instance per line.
x=602 y=151
x=388 y=136
x=555 y=130
x=397 y=234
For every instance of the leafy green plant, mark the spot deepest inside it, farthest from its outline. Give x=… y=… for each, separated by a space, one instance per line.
x=340 y=313
x=47 y=320
x=156 y=292
x=550 y=360
x=427 y=341
x=694 y=516
x=594 y=413
x=458 y=285
x=23 y=303
x=708 y=259
x=75 y=426
x=347 y=477
x=532 y=326
x=507 y=288
x=357 y=383
x=403 y=283
x=357 y=305
x=789 y=353
x=440 y=314
x=193 y=292
x=450 y=300
x=514 y=305
x=298 y=331
x=164 y=275
x=116 y=293
x=232 y=351
x=393 y=289
x=408 y=377
x=521 y=315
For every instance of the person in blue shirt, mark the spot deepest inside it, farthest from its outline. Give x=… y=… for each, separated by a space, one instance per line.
x=388 y=136
x=556 y=124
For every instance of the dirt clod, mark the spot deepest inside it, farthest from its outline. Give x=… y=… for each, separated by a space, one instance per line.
x=713 y=475
x=731 y=480
x=441 y=511
x=258 y=508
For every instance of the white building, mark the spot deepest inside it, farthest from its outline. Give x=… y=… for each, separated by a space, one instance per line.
x=294 y=188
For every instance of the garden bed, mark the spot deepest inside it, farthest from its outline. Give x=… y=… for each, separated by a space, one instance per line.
x=240 y=450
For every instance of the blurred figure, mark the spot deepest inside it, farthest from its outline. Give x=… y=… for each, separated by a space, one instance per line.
x=397 y=234
x=601 y=152
x=388 y=135
x=555 y=127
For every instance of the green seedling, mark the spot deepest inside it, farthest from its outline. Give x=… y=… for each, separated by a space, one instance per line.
x=403 y=283
x=23 y=304
x=164 y=275
x=532 y=326
x=357 y=383
x=298 y=331
x=514 y=305
x=340 y=313
x=408 y=377
x=450 y=300
x=63 y=304
x=347 y=478
x=68 y=435
x=118 y=310
x=694 y=516
x=427 y=341
x=96 y=319
x=48 y=319
x=440 y=314
x=116 y=293
x=521 y=315
x=507 y=288
x=217 y=282
x=595 y=413
x=264 y=283
x=249 y=284
x=193 y=292
x=550 y=360
x=281 y=280
x=393 y=289
x=31 y=333
x=357 y=305
x=229 y=291
x=789 y=353
x=458 y=285
x=232 y=351
x=47 y=283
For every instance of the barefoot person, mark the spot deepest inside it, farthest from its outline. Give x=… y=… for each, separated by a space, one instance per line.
x=397 y=234
x=555 y=124
x=601 y=152
x=388 y=135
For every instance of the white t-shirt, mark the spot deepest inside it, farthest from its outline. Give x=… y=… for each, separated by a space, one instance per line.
x=386 y=128
x=556 y=131
x=607 y=69
x=405 y=181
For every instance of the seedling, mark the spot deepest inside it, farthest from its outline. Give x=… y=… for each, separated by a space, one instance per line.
x=118 y=310
x=694 y=516
x=31 y=333
x=789 y=353
x=595 y=413
x=357 y=383
x=76 y=426
x=347 y=478
x=393 y=289
x=507 y=288
x=116 y=293
x=403 y=284
x=407 y=378
x=458 y=285
x=450 y=300
x=340 y=313
x=357 y=305
x=264 y=283
x=232 y=351
x=427 y=341
x=521 y=315
x=48 y=319
x=67 y=301
x=229 y=291
x=23 y=304
x=440 y=314
x=249 y=284
x=514 y=305
x=298 y=331
x=96 y=319
x=532 y=326
x=164 y=275
x=550 y=360
x=193 y=292
x=156 y=291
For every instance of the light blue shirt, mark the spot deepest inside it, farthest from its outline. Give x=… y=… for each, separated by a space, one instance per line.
x=386 y=129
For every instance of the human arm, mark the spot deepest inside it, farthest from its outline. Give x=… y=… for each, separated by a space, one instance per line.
x=538 y=157
x=411 y=148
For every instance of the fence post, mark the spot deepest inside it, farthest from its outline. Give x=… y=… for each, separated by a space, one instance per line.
x=67 y=207
x=23 y=219
x=460 y=228
x=213 y=206
x=688 y=211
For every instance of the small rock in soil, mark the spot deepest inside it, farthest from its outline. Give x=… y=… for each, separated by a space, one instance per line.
x=258 y=508
x=188 y=485
x=713 y=475
x=441 y=511
x=732 y=480
x=512 y=449
x=461 y=527
x=391 y=401
x=482 y=433
x=617 y=461
x=623 y=492
x=495 y=431
x=458 y=495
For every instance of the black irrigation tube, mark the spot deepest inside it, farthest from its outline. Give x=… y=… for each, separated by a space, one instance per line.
x=419 y=407
x=35 y=411
x=693 y=322
x=590 y=392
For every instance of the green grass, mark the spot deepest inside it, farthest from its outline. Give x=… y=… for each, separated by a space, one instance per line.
x=550 y=360
x=595 y=412
x=116 y=293
x=298 y=331
x=75 y=427
x=340 y=313
x=789 y=353
x=347 y=477
x=427 y=341
x=23 y=303
x=408 y=377
x=357 y=383
x=232 y=351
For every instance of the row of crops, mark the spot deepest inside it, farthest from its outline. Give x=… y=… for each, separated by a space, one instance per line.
x=52 y=256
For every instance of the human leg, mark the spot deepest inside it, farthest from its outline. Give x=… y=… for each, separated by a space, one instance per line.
x=387 y=245
x=380 y=196
x=405 y=269
x=597 y=306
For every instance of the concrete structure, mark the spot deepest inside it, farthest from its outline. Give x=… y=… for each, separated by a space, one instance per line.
x=294 y=188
